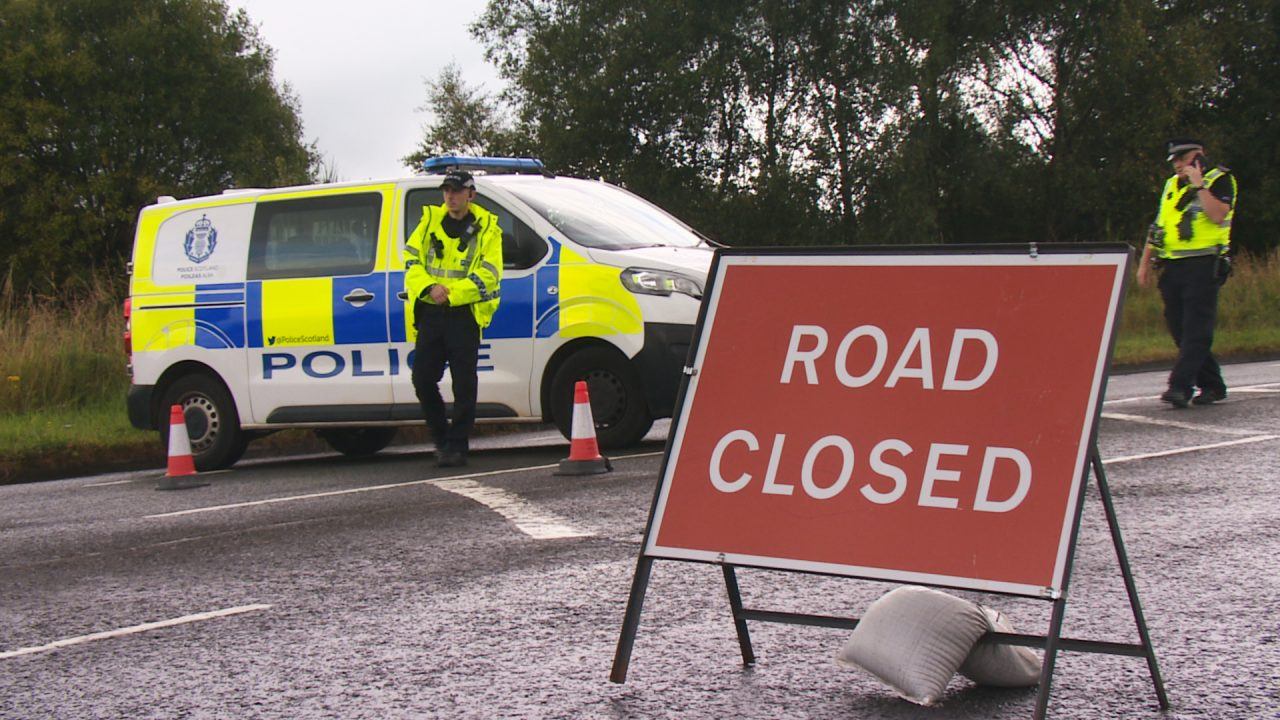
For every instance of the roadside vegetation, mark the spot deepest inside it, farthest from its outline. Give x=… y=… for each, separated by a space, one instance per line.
x=63 y=381
x=62 y=366
x=1248 y=317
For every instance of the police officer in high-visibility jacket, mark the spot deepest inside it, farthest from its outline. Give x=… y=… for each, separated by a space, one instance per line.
x=453 y=274
x=1189 y=243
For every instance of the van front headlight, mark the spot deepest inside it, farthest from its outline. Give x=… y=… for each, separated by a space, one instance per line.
x=660 y=282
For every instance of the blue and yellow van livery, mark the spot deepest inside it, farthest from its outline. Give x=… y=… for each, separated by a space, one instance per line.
x=258 y=310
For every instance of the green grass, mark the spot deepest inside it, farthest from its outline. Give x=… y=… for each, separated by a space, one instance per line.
x=90 y=428
x=63 y=352
x=56 y=442
x=63 y=382
x=1248 y=317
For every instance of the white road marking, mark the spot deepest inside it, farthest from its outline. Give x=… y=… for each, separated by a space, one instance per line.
x=371 y=488
x=199 y=617
x=1125 y=401
x=117 y=482
x=1193 y=448
x=1258 y=388
x=528 y=519
x=151 y=475
x=1143 y=419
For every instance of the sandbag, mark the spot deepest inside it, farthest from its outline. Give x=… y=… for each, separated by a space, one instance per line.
x=914 y=639
x=1001 y=665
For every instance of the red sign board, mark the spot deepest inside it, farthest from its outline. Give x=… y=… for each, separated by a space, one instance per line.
x=914 y=418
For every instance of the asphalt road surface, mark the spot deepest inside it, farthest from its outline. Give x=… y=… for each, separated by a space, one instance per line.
x=323 y=587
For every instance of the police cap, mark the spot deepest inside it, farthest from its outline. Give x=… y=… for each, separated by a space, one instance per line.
x=1177 y=146
x=458 y=180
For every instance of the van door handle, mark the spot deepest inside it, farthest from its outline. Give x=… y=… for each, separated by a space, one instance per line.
x=358 y=297
x=402 y=295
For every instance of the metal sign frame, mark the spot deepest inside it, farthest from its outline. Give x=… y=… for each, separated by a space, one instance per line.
x=1090 y=460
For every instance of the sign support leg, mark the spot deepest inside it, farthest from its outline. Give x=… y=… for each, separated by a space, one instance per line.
x=739 y=622
x=631 y=621
x=1129 y=585
x=1050 y=657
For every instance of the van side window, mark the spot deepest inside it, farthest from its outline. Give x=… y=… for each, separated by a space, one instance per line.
x=313 y=237
x=521 y=246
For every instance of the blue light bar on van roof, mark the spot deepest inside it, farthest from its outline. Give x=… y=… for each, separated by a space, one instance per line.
x=444 y=163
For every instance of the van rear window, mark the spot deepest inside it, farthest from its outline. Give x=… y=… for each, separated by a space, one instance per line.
x=315 y=237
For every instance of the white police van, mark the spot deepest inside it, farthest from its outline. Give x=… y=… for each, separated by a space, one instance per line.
x=258 y=310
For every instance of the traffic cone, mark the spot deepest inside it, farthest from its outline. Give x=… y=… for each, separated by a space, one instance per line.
x=181 y=465
x=584 y=454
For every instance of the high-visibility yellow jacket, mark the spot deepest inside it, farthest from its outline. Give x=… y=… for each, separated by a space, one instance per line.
x=1187 y=230
x=470 y=266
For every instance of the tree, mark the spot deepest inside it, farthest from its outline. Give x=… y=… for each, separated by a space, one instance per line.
x=465 y=121
x=106 y=104
x=1238 y=115
x=897 y=121
x=688 y=104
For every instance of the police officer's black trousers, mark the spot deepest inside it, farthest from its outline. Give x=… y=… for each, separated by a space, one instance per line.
x=446 y=335
x=1190 y=290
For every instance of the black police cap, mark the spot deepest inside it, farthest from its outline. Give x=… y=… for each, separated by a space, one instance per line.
x=1177 y=146
x=458 y=180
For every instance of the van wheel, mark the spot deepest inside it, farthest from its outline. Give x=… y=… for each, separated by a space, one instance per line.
x=358 y=442
x=212 y=421
x=617 y=399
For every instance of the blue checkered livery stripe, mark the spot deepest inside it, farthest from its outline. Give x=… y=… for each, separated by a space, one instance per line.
x=368 y=324
x=548 y=302
x=219 y=315
x=229 y=315
x=514 y=318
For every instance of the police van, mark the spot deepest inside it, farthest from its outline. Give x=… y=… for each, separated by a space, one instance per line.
x=258 y=310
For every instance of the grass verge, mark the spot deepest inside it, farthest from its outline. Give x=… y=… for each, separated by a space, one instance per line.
x=61 y=442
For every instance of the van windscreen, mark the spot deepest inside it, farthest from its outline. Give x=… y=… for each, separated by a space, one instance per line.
x=599 y=215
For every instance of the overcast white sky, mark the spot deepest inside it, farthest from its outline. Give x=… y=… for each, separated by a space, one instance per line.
x=358 y=70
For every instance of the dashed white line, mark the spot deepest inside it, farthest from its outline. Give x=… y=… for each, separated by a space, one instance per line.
x=117 y=482
x=199 y=617
x=1126 y=401
x=149 y=475
x=1144 y=420
x=528 y=519
x=371 y=488
x=1193 y=448
x=1258 y=388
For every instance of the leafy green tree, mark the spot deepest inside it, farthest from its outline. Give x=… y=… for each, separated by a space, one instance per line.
x=1238 y=114
x=465 y=121
x=897 y=121
x=106 y=104
x=689 y=104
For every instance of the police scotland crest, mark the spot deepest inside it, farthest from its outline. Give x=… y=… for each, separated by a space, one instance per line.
x=201 y=240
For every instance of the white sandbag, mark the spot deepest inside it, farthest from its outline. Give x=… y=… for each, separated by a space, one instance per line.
x=1001 y=665
x=914 y=639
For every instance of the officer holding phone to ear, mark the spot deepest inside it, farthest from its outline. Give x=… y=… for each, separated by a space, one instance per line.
x=1188 y=247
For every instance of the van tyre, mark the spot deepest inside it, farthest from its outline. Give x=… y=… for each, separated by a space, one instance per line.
x=618 y=404
x=217 y=441
x=358 y=442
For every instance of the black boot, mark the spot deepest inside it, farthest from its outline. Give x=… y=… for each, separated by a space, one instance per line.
x=1177 y=398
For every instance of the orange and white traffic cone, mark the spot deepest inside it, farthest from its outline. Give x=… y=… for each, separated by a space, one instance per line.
x=584 y=454
x=181 y=464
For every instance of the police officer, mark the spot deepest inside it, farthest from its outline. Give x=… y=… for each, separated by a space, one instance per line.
x=453 y=271
x=1188 y=244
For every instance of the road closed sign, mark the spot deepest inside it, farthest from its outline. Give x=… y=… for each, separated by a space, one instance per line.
x=924 y=416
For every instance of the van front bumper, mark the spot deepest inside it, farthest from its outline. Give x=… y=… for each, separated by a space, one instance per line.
x=139 y=402
x=661 y=364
